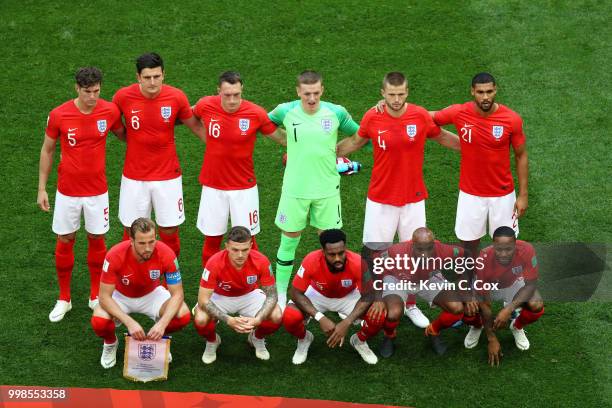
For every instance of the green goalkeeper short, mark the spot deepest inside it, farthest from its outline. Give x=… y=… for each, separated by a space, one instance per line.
x=292 y=214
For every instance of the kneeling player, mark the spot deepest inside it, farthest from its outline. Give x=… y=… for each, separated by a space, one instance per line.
x=130 y=284
x=512 y=265
x=329 y=280
x=229 y=285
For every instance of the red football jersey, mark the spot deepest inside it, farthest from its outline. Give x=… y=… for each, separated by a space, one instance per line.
x=220 y=275
x=151 y=151
x=485 y=147
x=399 y=146
x=134 y=279
x=81 y=171
x=443 y=253
x=524 y=265
x=230 y=141
x=315 y=272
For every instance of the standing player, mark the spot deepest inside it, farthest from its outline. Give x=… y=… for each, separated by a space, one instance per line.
x=151 y=173
x=130 y=284
x=229 y=285
x=512 y=265
x=228 y=180
x=311 y=183
x=81 y=125
x=330 y=280
x=486 y=190
x=397 y=192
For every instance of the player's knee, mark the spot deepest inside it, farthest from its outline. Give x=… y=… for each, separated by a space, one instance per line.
x=183 y=311
x=66 y=238
x=454 y=307
x=535 y=305
x=168 y=230
x=276 y=316
x=201 y=318
x=394 y=312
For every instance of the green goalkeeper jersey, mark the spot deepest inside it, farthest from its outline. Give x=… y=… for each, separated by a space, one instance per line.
x=311 y=148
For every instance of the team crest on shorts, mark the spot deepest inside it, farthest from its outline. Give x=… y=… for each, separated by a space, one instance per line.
x=154 y=274
x=244 y=124
x=411 y=130
x=517 y=270
x=326 y=125
x=101 y=125
x=251 y=279
x=498 y=132
x=146 y=351
x=166 y=112
x=282 y=218
x=346 y=283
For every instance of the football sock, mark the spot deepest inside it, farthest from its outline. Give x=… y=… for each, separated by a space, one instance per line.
x=293 y=321
x=390 y=328
x=445 y=319
x=177 y=323
x=64 y=262
x=212 y=245
x=475 y=320
x=266 y=328
x=126 y=234
x=370 y=327
x=526 y=317
x=96 y=250
x=255 y=246
x=411 y=301
x=104 y=328
x=284 y=263
x=207 y=330
x=172 y=240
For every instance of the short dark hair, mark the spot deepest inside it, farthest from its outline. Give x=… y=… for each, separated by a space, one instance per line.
x=88 y=76
x=239 y=234
x=504 y=232
x=141 y=225
x=231 y=77
x=395 y=79
x=309 y=77
x=149 y=60
x=483 y=78
x=331 y=236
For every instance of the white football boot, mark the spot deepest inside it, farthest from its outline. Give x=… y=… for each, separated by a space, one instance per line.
x=301 y=352
x=210 y=352
x=59 y=311
x=363 y=349
x=261 y=352
x=109 y=354
x=416 y=316
x=520 y=339
x=92 y=303
x=472 y=338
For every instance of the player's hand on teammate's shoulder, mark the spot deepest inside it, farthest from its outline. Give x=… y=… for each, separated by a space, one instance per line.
x=495 y=353
x=380 y=106
x=43 y=200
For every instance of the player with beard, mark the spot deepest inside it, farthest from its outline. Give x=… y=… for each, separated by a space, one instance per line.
x=330 y=279
x=487 y=130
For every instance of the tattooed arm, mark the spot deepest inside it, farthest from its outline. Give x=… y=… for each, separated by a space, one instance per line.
x=269 y=303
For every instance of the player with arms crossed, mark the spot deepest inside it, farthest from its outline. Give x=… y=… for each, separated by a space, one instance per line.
x=237 y=280
x=311 y=183
x=397 y=192
x=130 y=283
x=151 y=173
x=229 y=187
x=330 y=279
x=487 y=130
x=81 y=125
x=512 y=265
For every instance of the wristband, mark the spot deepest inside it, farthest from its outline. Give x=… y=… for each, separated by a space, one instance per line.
x=318 y=316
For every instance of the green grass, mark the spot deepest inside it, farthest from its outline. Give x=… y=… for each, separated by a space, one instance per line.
x=552 y=62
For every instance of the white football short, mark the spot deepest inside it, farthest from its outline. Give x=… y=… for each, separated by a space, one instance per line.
x=426 y=294
x=507 y=294
x=382 y=221
x=137 y=198
x=473 y=212
x=246 y=305
x=67 y=214
x=242 y=206
x=344 y=305
x=148 y=305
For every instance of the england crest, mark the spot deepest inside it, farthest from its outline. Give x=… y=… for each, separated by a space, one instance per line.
x=498 y=131
x=251 y=279
x=166 y=112
x=326 y=125
x=101 y=125
x=154 y=274
x=411 y=130
x=146 y=351
x=346 y=283
x=516 y=270
x=244 y=124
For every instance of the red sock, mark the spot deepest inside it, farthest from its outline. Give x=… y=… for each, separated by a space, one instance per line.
x=96 y=250
x=293 y=321
x=389 y=328
x=172 y=240
x=104 y=328
x=411 y=301
x=207 y=331
x=475 y=320
x=266 y=328
x=177 y=323
x=445 y=319
x=255 y=246
x=527 y=317
x=126 y=234
x=64 y=262
x=370 y=327
x=212 y=245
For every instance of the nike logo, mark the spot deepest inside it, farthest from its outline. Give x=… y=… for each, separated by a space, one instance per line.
x=296 y=124
x=72 y=129
x=127 y=276
x=467 y=125
x=214 y=120
x=136 y=111
x=380 y=132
